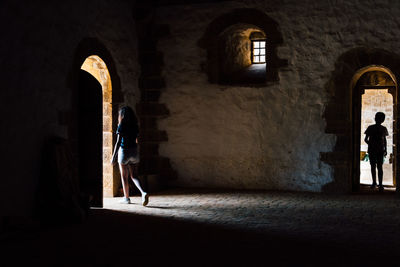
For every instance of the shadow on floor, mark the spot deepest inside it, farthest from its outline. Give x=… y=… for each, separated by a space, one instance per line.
x=111 y=238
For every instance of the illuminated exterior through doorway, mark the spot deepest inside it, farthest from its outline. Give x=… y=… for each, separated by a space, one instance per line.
x=374 y=100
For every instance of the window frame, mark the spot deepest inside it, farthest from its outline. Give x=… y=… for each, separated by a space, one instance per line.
x=252 y=51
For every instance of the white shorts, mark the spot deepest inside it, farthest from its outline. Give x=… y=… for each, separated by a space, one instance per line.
x=128 y=155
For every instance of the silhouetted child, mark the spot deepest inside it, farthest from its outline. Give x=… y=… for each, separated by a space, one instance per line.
x=375 y=137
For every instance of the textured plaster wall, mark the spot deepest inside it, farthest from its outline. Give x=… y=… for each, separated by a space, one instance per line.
x=39 y=39
x=266 y=137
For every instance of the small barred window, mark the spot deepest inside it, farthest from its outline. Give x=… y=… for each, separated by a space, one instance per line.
x=258 y=51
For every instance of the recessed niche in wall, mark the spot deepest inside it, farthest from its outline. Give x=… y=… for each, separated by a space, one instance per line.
x=241 y=49
x=242 y=60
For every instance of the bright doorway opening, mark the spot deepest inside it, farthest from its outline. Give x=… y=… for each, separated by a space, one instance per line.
x=373 y=101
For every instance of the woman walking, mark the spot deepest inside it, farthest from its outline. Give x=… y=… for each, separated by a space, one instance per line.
x=126 y=152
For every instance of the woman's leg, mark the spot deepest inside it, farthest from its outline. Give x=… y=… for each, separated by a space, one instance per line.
x=133 y=174
x=124 y=169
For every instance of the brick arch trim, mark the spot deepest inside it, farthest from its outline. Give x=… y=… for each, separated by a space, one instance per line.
x=270 y=27
x=340 y=115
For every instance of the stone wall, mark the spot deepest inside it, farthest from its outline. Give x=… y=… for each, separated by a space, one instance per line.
x=39 y=42
x=272 y=136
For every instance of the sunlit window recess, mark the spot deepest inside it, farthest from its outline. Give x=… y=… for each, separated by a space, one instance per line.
x=258 y=51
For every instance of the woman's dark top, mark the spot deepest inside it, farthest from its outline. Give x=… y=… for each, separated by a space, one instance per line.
x=128 y=134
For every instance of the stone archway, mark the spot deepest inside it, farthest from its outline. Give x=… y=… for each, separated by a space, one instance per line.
x=378 y=78
x=87 y=48
x=98 y=69
x=341 y=117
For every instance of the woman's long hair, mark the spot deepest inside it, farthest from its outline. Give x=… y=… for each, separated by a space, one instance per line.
x=128 y=118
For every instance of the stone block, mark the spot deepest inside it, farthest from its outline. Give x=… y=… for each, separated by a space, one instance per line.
x=154 y=136
x=107 y=140
x=338 y=126
x=151 y=82
x=167 y=173
x=336 y=112
x=148 y=123
x=107 y=169
x=150 y=95
x=107 y=153
x=108 y=184
x=107 y=124
x=155 y=165
x=153 y=57
x=335 y=157
x=107 y=96
x=108 y=192
x=107 y=109
x=149 y=149
x=151 y=110
x=154 y=183
x=150 y=69
x=342 y=142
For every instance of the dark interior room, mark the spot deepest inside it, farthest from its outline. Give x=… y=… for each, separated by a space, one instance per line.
x=199 y=133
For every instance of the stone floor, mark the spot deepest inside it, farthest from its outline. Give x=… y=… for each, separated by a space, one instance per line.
x=223 y=228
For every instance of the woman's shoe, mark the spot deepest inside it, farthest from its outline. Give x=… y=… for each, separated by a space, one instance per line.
x=125 y=200
x=145 y=199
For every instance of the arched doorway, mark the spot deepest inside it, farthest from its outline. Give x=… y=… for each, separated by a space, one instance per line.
x=374 y=89
x=343 y=113
x=94 y=79
x=98 y=69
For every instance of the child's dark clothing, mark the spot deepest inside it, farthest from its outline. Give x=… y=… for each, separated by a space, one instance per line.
x=376 y=135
